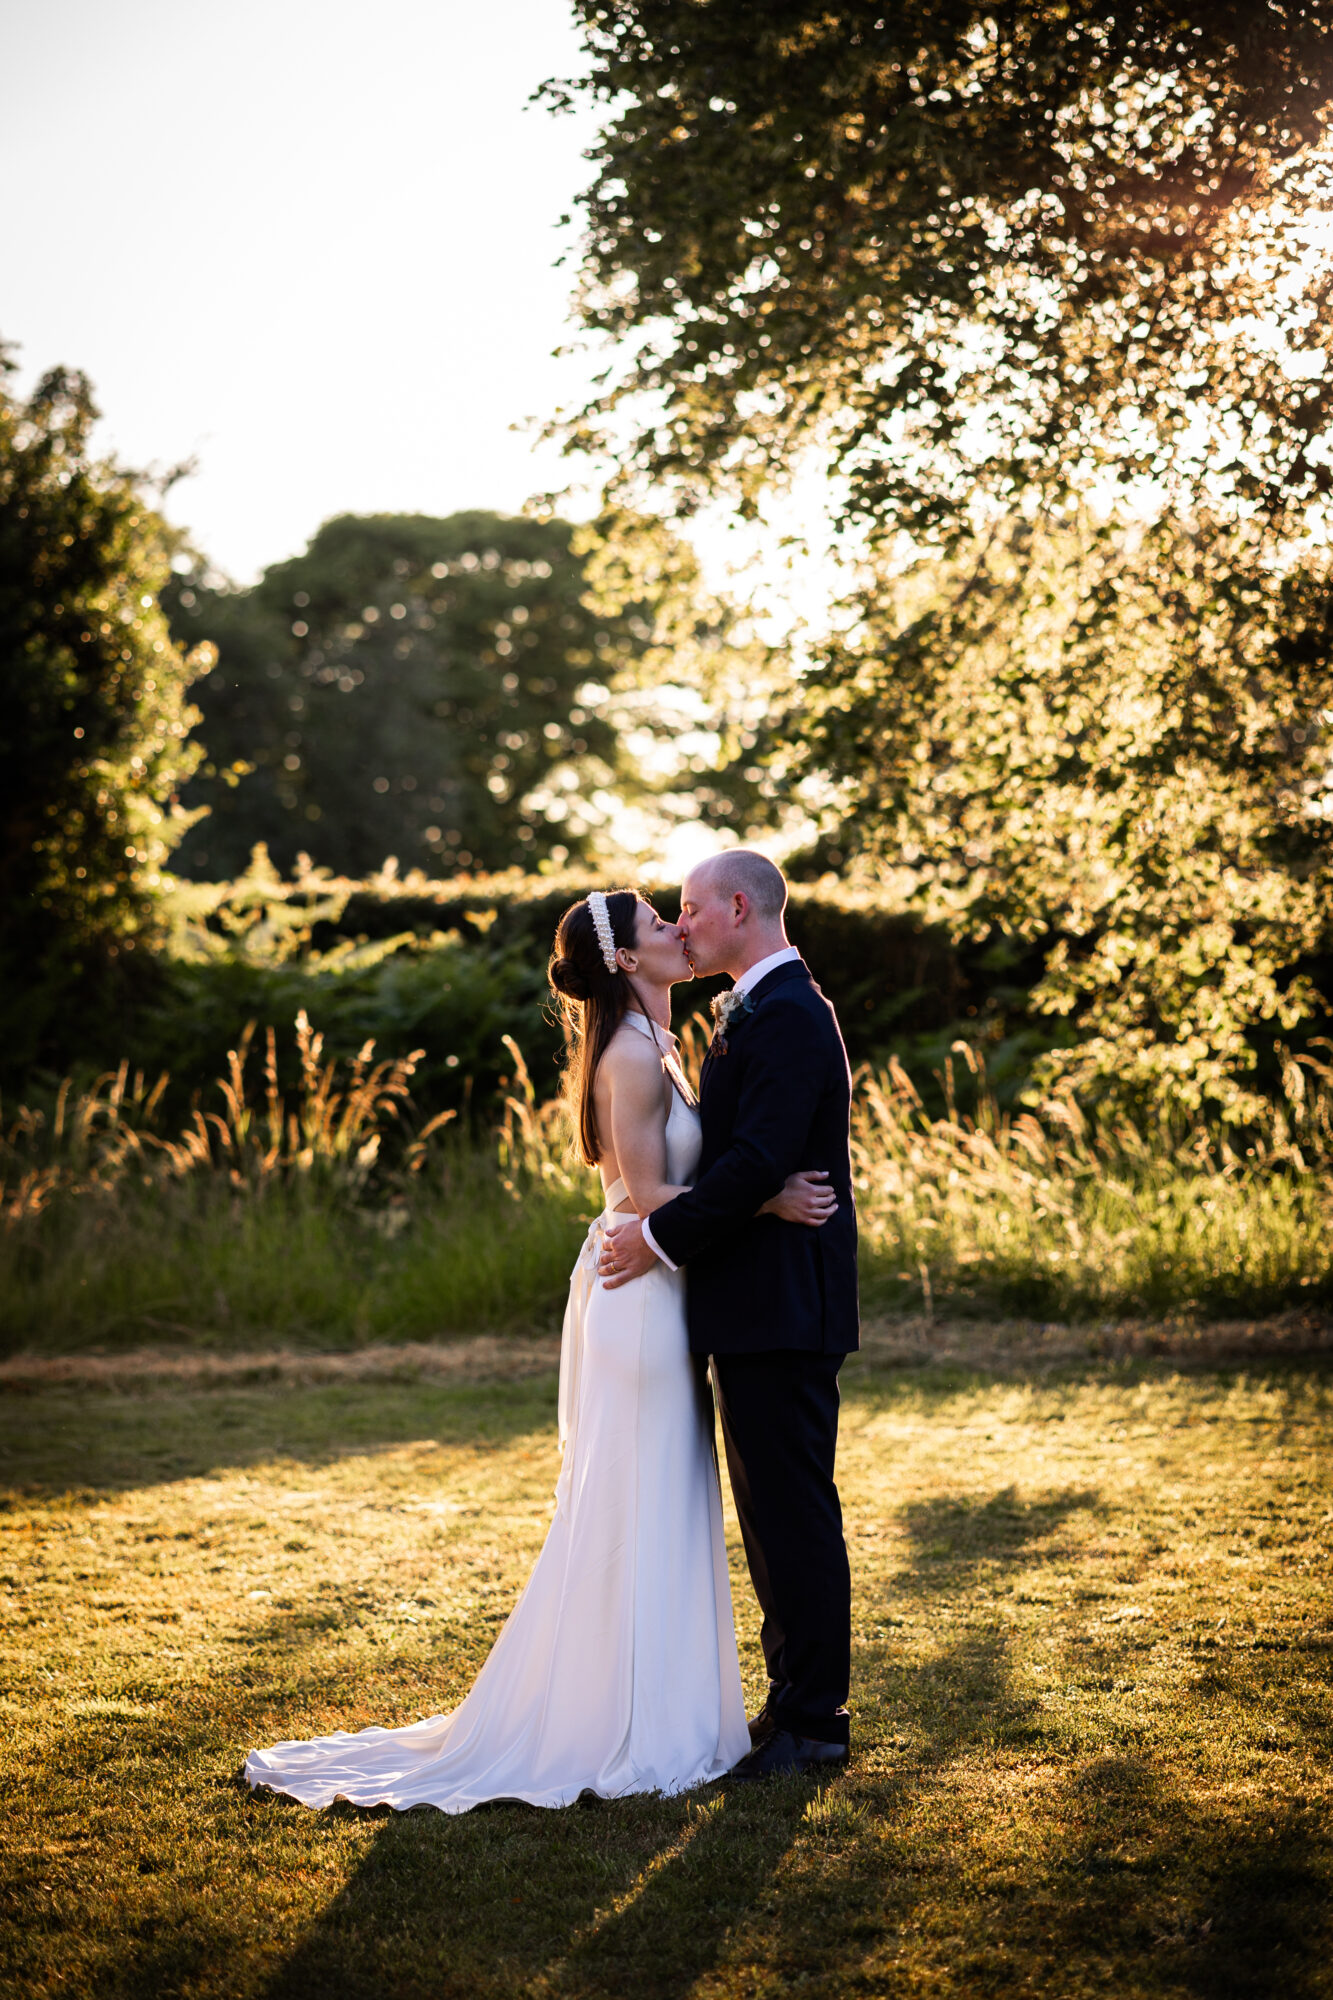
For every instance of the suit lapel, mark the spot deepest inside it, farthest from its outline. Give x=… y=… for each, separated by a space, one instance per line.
x=795 y=968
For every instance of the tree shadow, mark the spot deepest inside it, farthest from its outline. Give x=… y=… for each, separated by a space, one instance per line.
x=904 y=1869
x=1268 y=1892
x=66 y=1443
x=1226 y=1904
x=951 y=1535
x=649 y=1896
x=1125 y=1880
x=86 y=1442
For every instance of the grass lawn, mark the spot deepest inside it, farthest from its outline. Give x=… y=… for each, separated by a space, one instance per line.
x=1093 y=1664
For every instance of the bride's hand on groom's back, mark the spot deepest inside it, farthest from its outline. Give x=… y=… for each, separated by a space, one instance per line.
x=805 y=1198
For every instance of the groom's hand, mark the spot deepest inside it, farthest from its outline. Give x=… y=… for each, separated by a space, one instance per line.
x=625 y=1255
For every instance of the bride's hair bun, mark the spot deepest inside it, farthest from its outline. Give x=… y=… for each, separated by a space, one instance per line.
x=569 y=980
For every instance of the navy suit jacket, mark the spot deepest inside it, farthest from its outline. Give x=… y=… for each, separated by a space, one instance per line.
x=776 y=1101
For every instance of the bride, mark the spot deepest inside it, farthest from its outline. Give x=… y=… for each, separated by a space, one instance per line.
x=616 y=1671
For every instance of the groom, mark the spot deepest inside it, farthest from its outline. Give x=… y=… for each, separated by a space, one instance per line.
x=773 y=1302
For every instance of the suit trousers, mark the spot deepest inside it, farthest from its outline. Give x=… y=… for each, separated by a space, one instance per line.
x=780 y=1427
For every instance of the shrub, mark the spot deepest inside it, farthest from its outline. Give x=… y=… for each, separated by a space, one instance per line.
x=451 y=968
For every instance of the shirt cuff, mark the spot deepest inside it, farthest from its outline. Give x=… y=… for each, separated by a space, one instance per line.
x=651 y=1241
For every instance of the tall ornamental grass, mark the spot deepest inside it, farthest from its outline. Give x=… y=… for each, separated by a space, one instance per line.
x=1052 y=1214
x=323 y=1215
x=326 y=1215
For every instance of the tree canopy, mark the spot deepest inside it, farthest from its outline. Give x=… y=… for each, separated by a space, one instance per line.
x=93 y=750
x=434 y=689
x=961 y=251
x=1046 y=290
x=1110 y=744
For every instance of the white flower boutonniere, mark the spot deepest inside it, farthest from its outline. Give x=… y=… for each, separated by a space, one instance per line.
x=727 y=1008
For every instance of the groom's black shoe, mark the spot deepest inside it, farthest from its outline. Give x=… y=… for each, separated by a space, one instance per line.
x=761 y=1726
x=780 y=1754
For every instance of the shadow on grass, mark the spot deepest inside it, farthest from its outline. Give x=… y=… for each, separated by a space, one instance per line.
x=649 y=1896
x=878 y=1381
x=914 y=1871
x=81 y=1445
x=633 y=1896
x=1268 y=1898
x=985 y=1840
x=997 y=1529
x=1228 y=1905
x=64 y=1442
x=952 y=1534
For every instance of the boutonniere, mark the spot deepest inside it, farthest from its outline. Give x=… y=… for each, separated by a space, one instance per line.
x=728 y=1007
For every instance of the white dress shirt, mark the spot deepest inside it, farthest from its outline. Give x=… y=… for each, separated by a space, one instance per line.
x=756 y=972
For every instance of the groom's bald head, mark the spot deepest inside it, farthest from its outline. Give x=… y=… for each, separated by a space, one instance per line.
x=731 y=911
x=739 y=870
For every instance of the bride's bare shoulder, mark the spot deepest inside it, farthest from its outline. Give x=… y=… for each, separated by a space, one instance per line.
x=631 y=1056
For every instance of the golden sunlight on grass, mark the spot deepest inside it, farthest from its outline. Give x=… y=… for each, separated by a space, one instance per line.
x=1092 y=1698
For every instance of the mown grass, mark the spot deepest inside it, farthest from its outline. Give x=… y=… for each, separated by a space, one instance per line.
x=1093 y=1654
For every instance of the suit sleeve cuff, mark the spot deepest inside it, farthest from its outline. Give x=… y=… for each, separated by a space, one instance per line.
x=651 y=1241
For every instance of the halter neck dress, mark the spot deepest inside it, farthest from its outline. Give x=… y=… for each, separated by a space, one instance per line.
x=616 y=1671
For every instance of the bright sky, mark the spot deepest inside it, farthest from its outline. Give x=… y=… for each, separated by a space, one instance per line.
x=309 y=245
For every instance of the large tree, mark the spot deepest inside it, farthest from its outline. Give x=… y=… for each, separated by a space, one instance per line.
x=407 y=686
x=434 y=689
x=93 y=749
x=1045 y=289
x=1112 y=743
x=960 y=250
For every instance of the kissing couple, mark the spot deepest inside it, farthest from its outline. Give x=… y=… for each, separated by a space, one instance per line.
x=729 y=1232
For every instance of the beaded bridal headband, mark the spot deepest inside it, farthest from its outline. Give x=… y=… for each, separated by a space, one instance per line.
x=601 y=923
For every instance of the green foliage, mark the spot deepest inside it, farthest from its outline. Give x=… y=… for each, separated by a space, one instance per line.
x=451 y=967
x=92 y=687
x=314 y=1199
x=437 y=690
x=1044 y=291
x=886 y=970
x=961 y=252
x=453 y=1001
x=1119 y=744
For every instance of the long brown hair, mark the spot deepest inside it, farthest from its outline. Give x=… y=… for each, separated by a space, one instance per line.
x=592 y=1003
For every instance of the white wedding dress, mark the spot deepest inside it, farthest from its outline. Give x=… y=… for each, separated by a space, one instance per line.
x=616 y=1671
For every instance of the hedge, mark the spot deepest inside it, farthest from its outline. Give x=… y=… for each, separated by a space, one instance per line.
x=887 y=973
x=453 y=967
